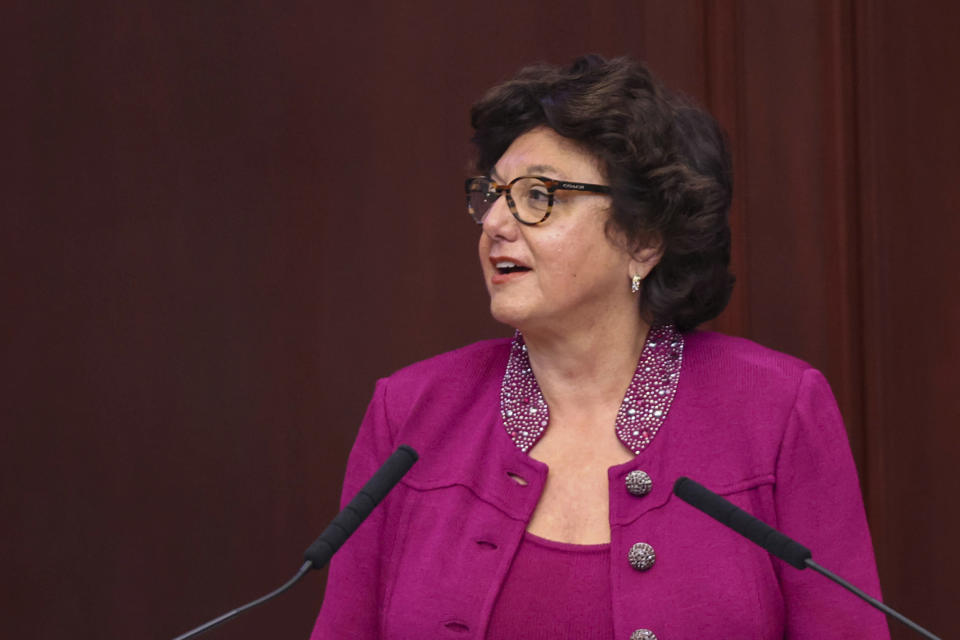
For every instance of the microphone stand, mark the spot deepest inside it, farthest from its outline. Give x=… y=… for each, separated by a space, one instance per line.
x=870 y=600
x=319 y=553
x=304 y=568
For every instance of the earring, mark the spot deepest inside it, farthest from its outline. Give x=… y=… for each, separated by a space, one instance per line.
x=635 y=283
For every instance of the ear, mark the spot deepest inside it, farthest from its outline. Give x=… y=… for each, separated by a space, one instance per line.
x=644 y=259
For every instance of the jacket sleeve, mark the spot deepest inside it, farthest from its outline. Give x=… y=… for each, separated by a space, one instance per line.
x=354 y=592
x=818 y=503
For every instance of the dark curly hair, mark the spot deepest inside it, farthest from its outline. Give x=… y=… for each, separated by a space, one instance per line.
x=665 y=159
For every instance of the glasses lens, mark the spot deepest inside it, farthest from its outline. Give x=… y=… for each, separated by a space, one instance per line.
x=479 y=198
x=532 y=199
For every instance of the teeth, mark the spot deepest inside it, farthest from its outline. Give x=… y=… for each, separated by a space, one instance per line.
x=504 y=264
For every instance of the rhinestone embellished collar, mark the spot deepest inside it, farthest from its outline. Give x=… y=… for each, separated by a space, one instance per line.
x=643 y=409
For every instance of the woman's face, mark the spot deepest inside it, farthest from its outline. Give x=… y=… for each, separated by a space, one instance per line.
x=573 y=270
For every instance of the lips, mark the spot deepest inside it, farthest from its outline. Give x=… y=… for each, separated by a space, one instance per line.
x=507 y=269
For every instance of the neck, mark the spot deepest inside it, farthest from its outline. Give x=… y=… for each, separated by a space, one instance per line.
x=579 y=370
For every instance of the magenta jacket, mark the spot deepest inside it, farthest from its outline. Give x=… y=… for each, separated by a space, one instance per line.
x=756 y=426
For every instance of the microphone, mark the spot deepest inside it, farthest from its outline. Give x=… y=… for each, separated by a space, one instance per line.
x=319 y=553
x=343 y=525
x=726 y=513
x=780 y=545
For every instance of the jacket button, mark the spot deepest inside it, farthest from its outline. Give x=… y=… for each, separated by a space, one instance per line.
x=643 y=634
x=641 y=556
x=639 y=483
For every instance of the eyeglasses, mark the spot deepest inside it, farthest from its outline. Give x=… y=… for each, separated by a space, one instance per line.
x=530 y=198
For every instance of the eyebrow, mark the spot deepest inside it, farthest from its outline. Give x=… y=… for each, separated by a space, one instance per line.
x=543 y=169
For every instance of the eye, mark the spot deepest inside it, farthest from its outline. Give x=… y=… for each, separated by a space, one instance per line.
x=538 y=194
x=534 y=196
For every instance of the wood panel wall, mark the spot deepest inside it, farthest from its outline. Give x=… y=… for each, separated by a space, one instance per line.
x=223 y=221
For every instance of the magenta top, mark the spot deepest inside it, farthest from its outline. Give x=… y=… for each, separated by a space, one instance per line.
x=756 y=426
x=555 y=590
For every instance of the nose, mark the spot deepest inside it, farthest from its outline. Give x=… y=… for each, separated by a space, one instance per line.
x=499 y=221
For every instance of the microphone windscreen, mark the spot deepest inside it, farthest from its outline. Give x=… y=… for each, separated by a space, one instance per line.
x=352 y=515
x=390 y=473
x=727 y=513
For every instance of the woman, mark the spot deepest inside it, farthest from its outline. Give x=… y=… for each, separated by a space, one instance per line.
x=541 y=506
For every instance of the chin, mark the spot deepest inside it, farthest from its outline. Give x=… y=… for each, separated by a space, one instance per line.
x=508 y=314
x=521 y=318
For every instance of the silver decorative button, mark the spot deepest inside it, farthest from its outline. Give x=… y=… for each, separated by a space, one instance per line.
x=639 y=483
x=641 y=556
x=643 y=634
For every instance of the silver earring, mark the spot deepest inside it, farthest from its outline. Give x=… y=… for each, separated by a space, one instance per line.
x=635 y=283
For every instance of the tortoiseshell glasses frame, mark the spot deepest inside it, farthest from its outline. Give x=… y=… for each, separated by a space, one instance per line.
x=529 y=198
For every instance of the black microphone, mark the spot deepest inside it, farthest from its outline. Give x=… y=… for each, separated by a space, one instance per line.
x=780 y=545
x=333 y=537
x=350 y=517
x=726 y=513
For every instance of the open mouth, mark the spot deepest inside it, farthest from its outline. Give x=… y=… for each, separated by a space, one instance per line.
x=505 y=266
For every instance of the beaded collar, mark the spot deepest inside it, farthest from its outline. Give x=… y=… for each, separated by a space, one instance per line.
x=644 y=408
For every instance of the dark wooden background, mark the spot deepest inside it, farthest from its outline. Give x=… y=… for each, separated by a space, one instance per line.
x=223 y=220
